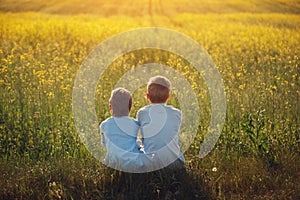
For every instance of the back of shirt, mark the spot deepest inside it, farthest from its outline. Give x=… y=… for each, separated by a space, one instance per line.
x=119 y=136
x=160 y=126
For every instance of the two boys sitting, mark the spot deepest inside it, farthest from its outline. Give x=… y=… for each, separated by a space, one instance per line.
x=158 y=123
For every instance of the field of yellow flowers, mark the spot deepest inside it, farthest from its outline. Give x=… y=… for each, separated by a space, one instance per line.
x=257 y=155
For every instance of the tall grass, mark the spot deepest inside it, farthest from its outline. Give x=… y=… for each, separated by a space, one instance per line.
x=257 y=155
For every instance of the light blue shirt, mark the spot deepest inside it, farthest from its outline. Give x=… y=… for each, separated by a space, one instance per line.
x=160 y=126
x=119 y=136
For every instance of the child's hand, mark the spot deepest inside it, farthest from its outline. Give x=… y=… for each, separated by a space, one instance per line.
x=140 y=145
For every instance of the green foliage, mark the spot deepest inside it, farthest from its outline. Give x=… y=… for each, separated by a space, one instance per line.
x=255 y=128
x=257 y=155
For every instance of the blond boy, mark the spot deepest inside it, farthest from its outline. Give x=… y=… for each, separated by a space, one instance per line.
x=119 y=133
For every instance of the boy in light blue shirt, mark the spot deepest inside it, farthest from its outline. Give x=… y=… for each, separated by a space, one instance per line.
x=160 y=125
x=119 y=133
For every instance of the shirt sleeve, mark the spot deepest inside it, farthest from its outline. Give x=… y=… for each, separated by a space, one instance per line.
x=138 y=117
x=140 y=122
x=143 y=117
x=103 y=142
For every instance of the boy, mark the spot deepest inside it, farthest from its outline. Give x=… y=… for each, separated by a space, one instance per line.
x=160 y=125
x=119 y=133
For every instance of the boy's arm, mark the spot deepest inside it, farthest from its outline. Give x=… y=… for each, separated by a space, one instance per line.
x=139 y=138
x=138 y=118
x=103 y=142
x=103 y=139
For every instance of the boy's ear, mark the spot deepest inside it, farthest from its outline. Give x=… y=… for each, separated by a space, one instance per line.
x=148 y=96
x=110 y=107
x=168 y=96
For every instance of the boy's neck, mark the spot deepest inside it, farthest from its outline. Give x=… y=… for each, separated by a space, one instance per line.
x=120 y=116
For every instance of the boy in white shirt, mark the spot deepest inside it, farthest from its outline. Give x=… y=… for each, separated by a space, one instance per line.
x=119 y=133
x=160 y=125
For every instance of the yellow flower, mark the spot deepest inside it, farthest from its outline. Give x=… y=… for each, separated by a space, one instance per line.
x=242 y=86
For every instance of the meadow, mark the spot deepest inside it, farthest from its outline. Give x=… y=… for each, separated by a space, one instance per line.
x=257 y=53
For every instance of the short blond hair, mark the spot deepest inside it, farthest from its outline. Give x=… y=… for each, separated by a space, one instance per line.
x=121 y=102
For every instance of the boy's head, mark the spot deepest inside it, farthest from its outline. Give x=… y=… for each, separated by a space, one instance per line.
x=158 y=89
x=120 y=102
